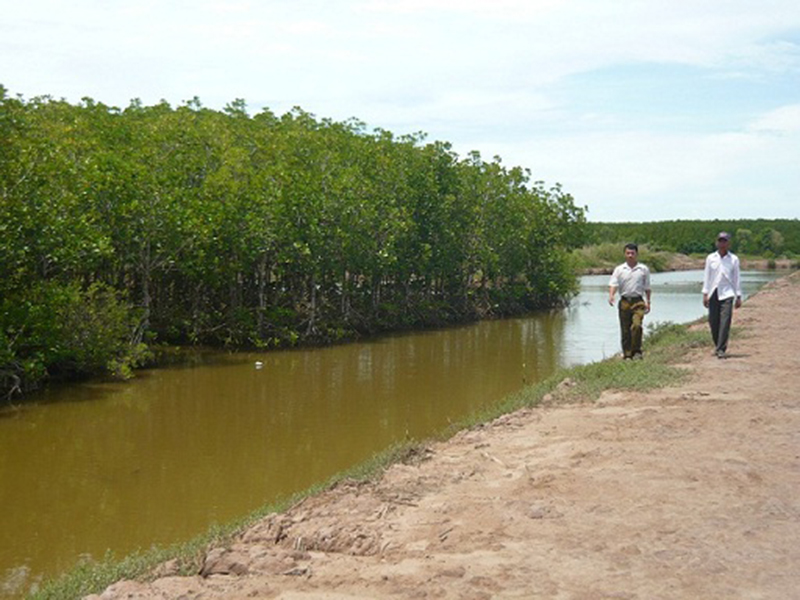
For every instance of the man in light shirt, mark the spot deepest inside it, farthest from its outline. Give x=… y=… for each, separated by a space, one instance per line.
x=632 y=279
x=722 y=292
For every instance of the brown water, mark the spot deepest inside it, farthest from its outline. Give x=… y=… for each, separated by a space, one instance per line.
x=122 y=466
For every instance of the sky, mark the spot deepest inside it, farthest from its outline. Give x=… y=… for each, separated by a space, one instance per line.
x=642 y=110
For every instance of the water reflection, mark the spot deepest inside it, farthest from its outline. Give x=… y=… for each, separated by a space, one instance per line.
x=159 y=459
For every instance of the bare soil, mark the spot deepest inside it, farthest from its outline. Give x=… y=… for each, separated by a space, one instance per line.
x=685 y=492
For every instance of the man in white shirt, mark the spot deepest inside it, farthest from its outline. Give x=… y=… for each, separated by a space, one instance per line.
x=722 y=292
x=632 y=279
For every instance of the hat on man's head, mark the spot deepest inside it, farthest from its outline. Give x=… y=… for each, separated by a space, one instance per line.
x=724 y=235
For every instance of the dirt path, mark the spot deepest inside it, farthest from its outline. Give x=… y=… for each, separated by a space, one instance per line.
x=686 y=492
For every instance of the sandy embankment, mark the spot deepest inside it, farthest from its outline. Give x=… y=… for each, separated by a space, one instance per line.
x=685 y=492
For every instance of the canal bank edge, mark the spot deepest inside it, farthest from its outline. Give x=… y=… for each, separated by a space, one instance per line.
x=475 y=511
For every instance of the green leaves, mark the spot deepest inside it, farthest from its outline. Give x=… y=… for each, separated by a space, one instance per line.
x=224 y=228
x=63 y=330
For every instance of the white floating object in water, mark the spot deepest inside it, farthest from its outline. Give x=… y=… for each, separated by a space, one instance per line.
x=259 y=364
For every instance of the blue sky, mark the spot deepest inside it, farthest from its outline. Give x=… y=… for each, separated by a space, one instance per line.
x=641 y=109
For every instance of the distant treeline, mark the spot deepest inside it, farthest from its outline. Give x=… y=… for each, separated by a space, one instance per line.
x=125 y=228
x=755 y=237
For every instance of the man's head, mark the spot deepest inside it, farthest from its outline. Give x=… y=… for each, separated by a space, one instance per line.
x=723 y=241
x=631 y=254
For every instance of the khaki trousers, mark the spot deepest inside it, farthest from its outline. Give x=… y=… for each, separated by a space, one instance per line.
x=631 y=322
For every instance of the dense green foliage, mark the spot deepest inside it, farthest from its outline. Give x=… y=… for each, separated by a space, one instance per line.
x=759 y=237
x=120 y=228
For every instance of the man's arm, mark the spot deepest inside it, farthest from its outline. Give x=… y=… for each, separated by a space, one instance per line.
x=613 y=285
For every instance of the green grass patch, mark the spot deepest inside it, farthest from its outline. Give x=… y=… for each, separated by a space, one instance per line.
x=93 y=576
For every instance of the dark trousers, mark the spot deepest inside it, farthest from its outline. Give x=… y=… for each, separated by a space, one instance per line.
x=631 y=320
x=720 y=315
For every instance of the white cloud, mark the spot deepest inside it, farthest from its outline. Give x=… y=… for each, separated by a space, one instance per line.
x=558 y=86
x=656 y=176
x=785 y=119
x=495 y=7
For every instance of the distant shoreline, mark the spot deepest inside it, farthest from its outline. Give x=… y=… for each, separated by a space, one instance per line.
x=681 y=262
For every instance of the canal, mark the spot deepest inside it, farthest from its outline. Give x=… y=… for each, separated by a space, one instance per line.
x=122 y=466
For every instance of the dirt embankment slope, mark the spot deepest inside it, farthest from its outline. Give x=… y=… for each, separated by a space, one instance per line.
x=685 y=492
